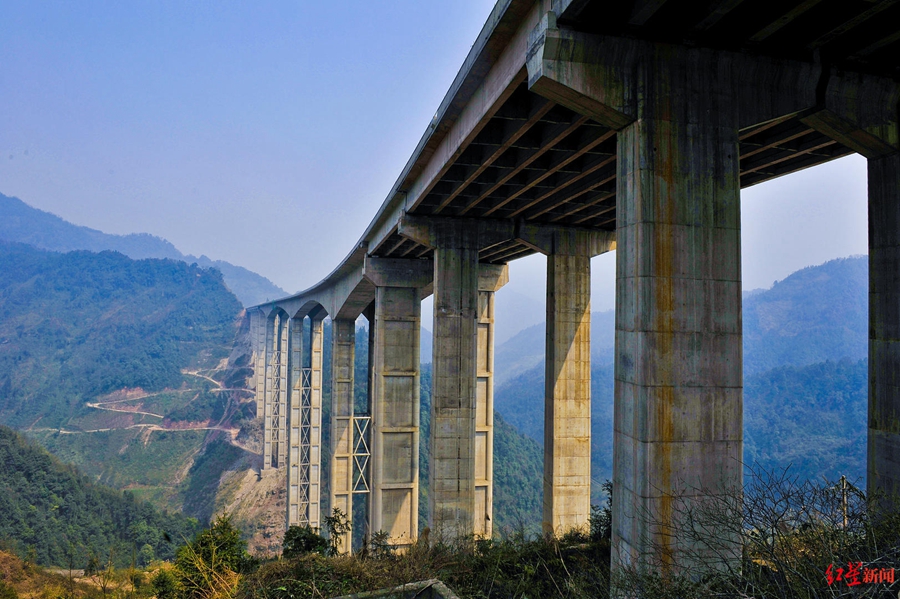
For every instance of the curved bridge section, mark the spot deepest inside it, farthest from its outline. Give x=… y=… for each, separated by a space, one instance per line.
x=573 y=128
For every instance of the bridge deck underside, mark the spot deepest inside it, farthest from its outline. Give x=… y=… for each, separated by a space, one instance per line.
x=541 y=162
x=856 y=35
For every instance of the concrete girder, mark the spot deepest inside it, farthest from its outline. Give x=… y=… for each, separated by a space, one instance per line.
x=861 y=112
x=597 y=76
x=495 y=86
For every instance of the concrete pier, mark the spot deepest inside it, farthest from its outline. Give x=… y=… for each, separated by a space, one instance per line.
x=394 y=396
x=884 y=330
x=275 y=408
x=456 y=245
x=678 y=370
x=567 y=389
x=343 y=353
x=490 y=279
x=304 y=455
x=258 y=336
x=567 y=374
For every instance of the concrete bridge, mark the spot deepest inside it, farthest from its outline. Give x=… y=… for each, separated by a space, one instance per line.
x=576 y=127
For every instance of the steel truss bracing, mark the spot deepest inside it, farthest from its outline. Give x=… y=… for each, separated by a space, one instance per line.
x=304 y=462
x=361 y=454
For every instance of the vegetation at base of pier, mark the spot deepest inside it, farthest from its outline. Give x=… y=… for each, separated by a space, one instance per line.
x=519 y=565
x=791 y=531
x=800 y=539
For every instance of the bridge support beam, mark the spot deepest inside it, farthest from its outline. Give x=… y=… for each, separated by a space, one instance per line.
x=258 y=342
x=395 y=415
x=276 y=389
x=678 y=373
x=452 y=489
x=883 y=471
x=490 y=279
x=394 y=503
x=305 y=425
x=343 y=354
x=567 y=378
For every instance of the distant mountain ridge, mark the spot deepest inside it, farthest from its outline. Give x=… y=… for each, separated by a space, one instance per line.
x=816 y=314
x=21 y=223
x=805 y=344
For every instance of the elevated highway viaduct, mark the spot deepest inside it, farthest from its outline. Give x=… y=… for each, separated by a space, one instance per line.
x=576 y=127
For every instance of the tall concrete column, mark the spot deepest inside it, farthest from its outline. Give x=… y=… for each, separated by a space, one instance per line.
x=452 y=468
x=304 y=457
x=258 y=336
x=456 y=244
x=394 y=395
x=296 y=489
x=567 y=385
x=490 y=279
x=343 y=337
x=275 y=413
x=316 y=346
x=883 y=471
x=678 y=372
x=567 y=369
x=395 y=415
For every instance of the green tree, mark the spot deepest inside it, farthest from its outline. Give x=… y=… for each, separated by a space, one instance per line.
x=211 y=562
x=164 y=585
x=300 y=540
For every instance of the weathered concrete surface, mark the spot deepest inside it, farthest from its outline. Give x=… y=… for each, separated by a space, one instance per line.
x=295 y=509
x=454 y=362
x=678 y=370
x=567 y=384
x=258 y=340
x=567 y=379
x=395 y=415
x=343 y=353
x=304 y=456
x=490 y=279
x=275 y=408
x=316 y=347
x=593 y=75
x=883 y=472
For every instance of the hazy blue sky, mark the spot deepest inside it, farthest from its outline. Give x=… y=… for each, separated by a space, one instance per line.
x=268 y=133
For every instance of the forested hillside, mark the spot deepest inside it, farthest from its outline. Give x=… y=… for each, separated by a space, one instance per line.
x=805 y=385
x=118 y=367
x=21 y=223
x=52 y=514
x=77 y=326
x=816 y=314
